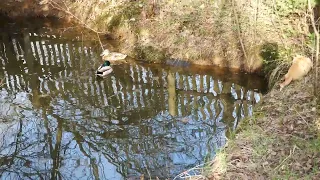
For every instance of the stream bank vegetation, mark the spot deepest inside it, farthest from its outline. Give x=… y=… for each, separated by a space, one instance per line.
x=258 y=37
x=254 y=37
x=281 y=140
x=225 y=33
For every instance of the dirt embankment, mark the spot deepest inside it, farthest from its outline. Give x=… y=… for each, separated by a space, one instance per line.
x=227 y=33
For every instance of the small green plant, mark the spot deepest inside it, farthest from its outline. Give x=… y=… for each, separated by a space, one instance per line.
x=311 y=40
x=270 y=54
x=287 y=7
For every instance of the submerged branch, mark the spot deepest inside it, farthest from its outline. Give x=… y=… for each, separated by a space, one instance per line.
x=2 y=82
x=100 y=42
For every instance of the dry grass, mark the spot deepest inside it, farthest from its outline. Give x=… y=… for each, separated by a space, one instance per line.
x=198 y=31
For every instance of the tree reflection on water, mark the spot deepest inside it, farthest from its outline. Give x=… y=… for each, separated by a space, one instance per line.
x=59 y=122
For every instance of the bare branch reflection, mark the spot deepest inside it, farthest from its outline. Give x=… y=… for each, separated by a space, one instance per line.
x=59 y=122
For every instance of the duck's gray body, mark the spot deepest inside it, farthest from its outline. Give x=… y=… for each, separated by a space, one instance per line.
x=112 y=56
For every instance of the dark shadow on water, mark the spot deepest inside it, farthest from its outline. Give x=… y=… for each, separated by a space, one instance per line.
x=58 y=121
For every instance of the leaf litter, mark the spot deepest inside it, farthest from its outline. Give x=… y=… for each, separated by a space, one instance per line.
x=283 y=143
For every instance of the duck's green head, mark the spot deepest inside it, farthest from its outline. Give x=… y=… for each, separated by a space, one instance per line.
x=106 y=63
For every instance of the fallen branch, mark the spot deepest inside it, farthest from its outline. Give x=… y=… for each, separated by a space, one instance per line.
x=285 y=159
x=67 y=11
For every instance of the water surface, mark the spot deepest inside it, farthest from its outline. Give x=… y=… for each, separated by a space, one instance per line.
x=59 y=121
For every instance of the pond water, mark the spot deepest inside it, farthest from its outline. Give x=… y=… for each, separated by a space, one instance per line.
x=57 y=120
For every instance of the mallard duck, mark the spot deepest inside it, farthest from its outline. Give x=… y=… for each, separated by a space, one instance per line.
x=112 y=56
x=104 y=69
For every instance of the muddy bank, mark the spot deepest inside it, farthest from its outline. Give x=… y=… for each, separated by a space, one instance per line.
x=28 y=8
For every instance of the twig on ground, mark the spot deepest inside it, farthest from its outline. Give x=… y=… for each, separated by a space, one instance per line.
x=302 y=118
x=285 y=159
